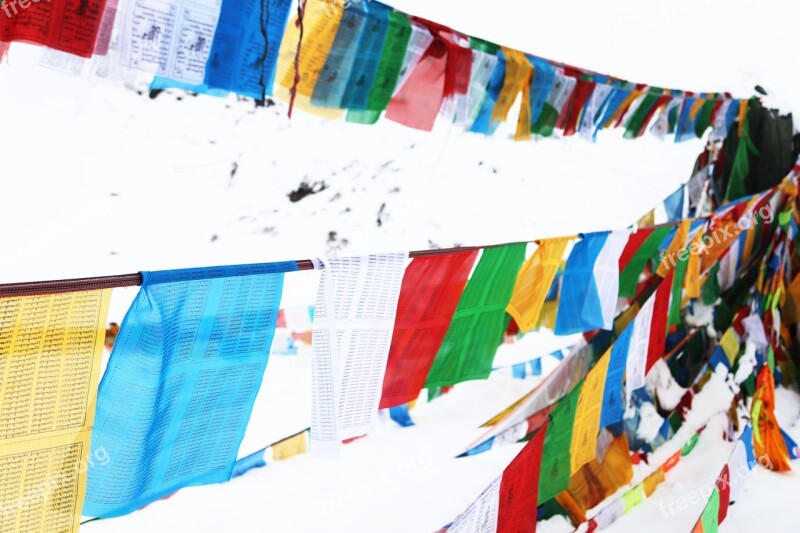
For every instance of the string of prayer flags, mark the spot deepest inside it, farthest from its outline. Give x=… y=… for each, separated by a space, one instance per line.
x=534 y=282
x=353 y=324
x=476 y=330
x=183 y=376
x=432 y=287
x=509 y=504
x=729 y=484
x=70 y=26
x=50 y=352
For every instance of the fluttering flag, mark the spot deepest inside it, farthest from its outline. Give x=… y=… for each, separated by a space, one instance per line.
x=556 y=456
x=193 y=346
x=476 y=330
x=396 y=43
x=68 y=26
x=155 y=39
x=50 y=352
x=400 y=414
x=673 y=205
x=534 y=282
x=590 y=286
x=658 y=326
x=560 y=93
x=353 y=324
x=767 y=438
x=636 y=362
x=244 y=53
x=587 y=415
x=509 y=504
x=639 y=258
x=432 y=287
x=332 y=81
x=613 y=400
x=300 y=64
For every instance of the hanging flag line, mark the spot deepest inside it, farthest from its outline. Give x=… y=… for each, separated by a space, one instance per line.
x=33 y=288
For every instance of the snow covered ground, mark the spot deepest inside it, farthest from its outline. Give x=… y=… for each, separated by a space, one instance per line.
x=98 y=179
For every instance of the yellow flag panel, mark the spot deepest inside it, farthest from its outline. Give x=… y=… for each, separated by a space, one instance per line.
x=50 y=351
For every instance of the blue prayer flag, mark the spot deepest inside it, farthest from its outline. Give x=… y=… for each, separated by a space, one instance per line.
x=613 y=398
x=544 y=76
x=241 y=59
x=401 y=415
x=482 y=122
x=673 y=205
x=579 y=309
x=185 y=370
x=536 y=367
x=245 y=464
x=332 y=81
x=519 y=371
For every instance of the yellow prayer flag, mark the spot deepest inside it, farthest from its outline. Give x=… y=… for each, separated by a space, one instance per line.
x=648 y=220
x=730 y=345
x=518 y=74
x=742 y=115
x=587 y=415
x=50 y=351
x=678 y=245
x=652 y=481
x=693 y=269
x=696 y=107
x=534 y=281
x=286 y=449
x=321 y=24
x=524 y=123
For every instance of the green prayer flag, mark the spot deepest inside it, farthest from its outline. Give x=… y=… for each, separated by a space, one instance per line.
x=633 y=497
x=635 y=123
x=629 y=277
x=477 y=327
x=389 y=67
x=741 y=162
x=711 y=289
x=554 y=472
x=677 y=292
x=710 y=516
x=703 y=120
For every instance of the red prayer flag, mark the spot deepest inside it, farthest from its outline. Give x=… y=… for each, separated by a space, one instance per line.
x=635 y=242
x=417 y=103
x=519 y=488
x=431 y=289
x=658 y=326
x=583 y=92
x=67 y=25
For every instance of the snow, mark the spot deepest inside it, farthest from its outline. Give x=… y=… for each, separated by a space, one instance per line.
x=98 y=179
